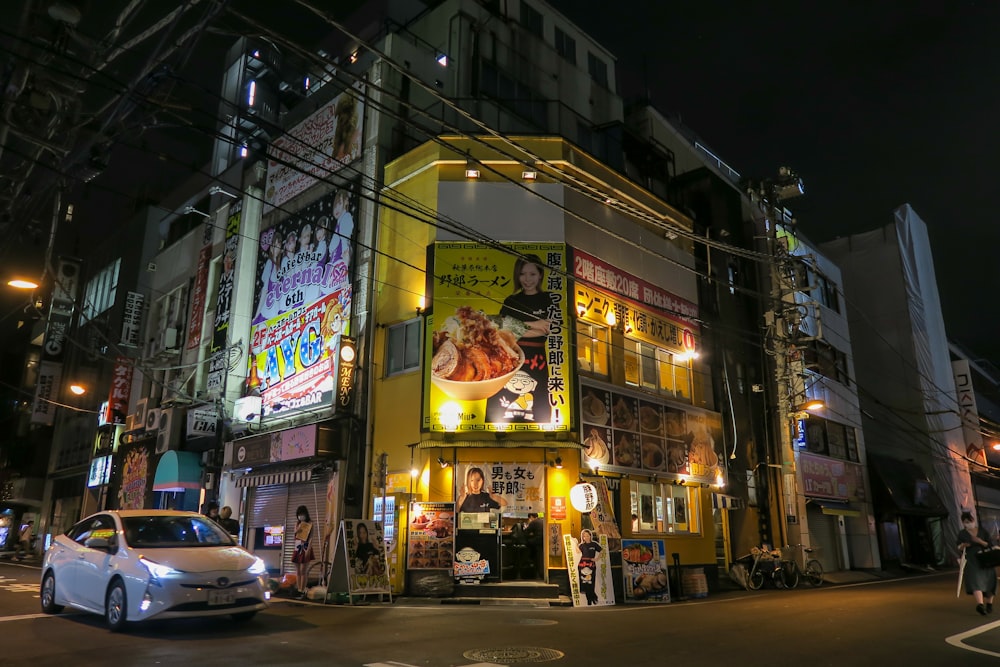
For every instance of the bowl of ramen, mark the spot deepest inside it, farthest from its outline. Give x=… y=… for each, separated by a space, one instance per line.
x=473 y=357
x=652 y=455
x=649 y=419
x=594 y=409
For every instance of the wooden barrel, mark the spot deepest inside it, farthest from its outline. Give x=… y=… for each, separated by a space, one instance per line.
x=694 y=582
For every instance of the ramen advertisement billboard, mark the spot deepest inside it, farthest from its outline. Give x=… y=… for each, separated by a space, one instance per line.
x=302 y=305
x=497 y=339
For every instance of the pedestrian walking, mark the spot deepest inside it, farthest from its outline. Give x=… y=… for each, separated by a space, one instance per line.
x=24 y=541
x=980 y=581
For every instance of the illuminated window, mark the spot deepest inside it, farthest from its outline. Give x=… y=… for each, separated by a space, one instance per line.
x=655 y=369
x=403 y=347
x=664 y=508
x=592 y=348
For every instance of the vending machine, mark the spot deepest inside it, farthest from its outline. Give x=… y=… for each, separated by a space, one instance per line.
x=389 y=509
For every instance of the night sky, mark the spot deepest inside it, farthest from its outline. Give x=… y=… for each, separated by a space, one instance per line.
x=874 y=104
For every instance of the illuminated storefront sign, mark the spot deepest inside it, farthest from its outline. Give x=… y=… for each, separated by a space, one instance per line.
x=830 y=478
x=302 y=305
x=218 y=362
x=600 y=274
x=118 y=394
x=627 y=433
x=497 y=342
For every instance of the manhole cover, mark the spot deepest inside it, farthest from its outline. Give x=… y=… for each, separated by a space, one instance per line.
x=509 y=655
x=536 y=621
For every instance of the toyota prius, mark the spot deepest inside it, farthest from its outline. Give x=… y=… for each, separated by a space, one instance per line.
x=137 y=565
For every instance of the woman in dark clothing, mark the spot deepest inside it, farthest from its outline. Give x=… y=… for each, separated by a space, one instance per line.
x=363 y=553
x=587 y=567
x=530 y=304
x=474 y=498
x=980 y=582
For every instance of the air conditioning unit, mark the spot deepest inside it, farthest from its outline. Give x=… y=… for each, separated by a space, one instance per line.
x=142 y=406
x=169 y=340
x=169 y=434
x=152 y=422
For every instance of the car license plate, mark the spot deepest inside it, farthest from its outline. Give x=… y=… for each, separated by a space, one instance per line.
x=221 y=597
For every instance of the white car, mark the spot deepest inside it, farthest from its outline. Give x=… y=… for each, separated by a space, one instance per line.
x=137 y=565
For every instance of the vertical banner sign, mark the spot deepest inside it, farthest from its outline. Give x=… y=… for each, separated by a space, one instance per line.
x=200 y=289
x=121 y=388
x=589 y=565
x=497 y=342
x=302 y=305
x=64 y=293
x=49 y=379
x=132 y=319
x=218 y=362
x=971 y=433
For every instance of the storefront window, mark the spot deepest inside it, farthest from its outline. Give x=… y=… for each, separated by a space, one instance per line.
x=592 y=348
x=664 y=508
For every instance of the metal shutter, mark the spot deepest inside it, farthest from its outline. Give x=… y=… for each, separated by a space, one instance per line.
x=312 y=494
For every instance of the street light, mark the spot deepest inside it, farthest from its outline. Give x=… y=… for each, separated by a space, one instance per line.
x=78 y=389
x=22 y=283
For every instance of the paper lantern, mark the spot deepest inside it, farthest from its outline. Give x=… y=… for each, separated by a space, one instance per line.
x=583 y=497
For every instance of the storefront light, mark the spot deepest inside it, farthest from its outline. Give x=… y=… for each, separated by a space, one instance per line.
x=450 y=415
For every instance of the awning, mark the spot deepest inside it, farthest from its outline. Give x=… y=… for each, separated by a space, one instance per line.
x=721 y=501
x=286 y=476
x=177 y=471
x=835 y=507
x=904 y=485
x=500 y=443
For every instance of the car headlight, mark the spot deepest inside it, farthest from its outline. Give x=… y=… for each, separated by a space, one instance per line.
x=258 y=566
x=157 y=570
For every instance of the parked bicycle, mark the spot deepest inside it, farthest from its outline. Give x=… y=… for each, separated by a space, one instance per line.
x=789 y=573
x=760 y=565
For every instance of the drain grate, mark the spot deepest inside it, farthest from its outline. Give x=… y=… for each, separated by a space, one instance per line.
x=508 y=655
x=536 y=621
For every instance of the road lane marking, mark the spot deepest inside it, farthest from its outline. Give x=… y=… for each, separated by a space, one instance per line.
x=958 y=640
x=24 y=617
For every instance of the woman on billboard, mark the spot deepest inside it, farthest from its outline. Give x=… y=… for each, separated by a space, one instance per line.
x=525 y=398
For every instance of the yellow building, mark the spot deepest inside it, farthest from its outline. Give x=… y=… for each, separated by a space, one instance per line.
x=537 y=328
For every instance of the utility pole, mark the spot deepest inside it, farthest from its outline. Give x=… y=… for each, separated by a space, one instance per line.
x=781 y=321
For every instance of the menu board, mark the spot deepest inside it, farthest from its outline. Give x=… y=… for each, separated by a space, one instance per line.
x=644 y=568
x=621 y=430
x=431 y=533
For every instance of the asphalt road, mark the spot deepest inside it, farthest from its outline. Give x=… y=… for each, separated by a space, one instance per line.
x=912 y=621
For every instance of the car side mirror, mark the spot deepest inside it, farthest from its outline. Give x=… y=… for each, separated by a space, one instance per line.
x=101 y=543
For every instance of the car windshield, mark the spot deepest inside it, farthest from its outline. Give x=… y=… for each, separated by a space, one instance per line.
x=174 y=531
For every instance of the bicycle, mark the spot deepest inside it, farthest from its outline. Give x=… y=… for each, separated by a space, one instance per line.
x=760 y=564
x=789 y=573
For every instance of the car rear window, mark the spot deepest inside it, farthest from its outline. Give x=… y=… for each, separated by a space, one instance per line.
x=173 y=531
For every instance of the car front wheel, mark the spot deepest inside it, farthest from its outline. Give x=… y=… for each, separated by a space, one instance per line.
x=115 y=606
x=48 y=595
